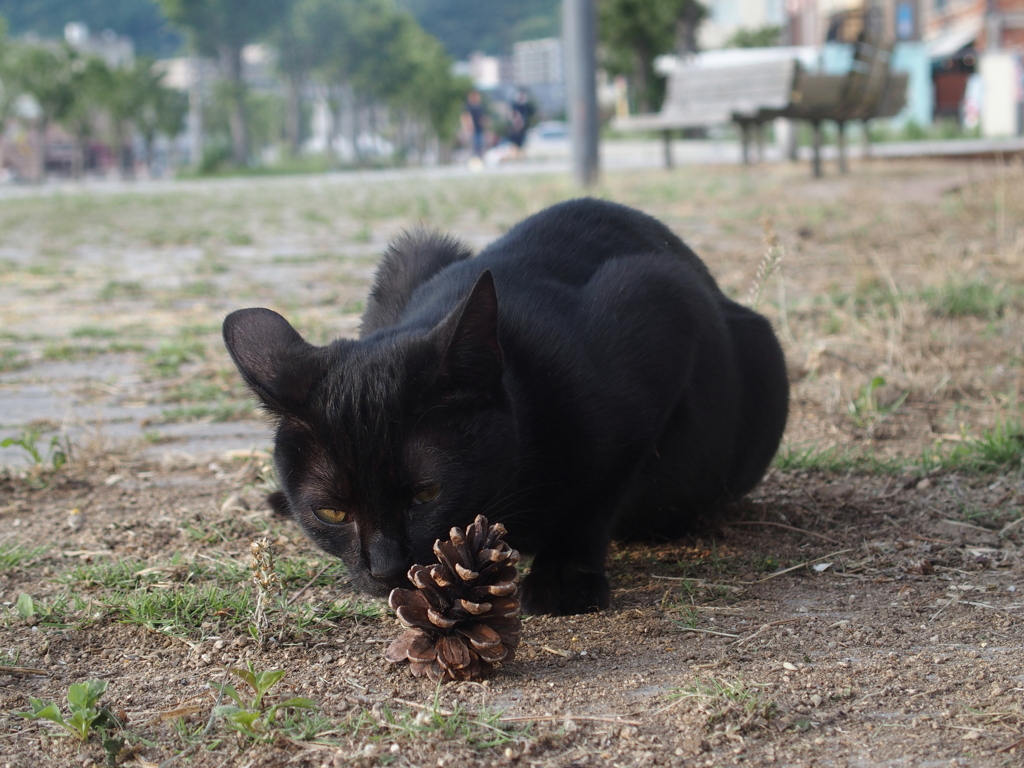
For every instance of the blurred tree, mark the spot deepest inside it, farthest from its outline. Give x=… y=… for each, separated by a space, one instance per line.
x=135 y=97
x=635 y=32
x=91 y=80
x=162 y=113
x=141 y=20
x=43 y=74
x=466 y=26
x=7 y=94
x=762 y=37
x=222 y=28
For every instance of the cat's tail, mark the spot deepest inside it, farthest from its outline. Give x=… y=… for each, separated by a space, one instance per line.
x=410 y=260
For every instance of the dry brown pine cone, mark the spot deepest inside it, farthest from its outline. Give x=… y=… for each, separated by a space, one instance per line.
x=463 y=616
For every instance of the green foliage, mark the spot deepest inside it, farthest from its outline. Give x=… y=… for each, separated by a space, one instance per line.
x=635 y=32
x=55 y=456
x=865 y=408
x=741 y=703
x=967 y=298
x=13 y=555
x=248 y=716
x=141 y=20
x=85 y=717
x=466 y=26
x=997 y=450
x=481 y=730
x=762 y=37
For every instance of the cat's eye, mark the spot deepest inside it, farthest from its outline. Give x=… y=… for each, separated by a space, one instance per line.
x=331 y=516
x=426 y=493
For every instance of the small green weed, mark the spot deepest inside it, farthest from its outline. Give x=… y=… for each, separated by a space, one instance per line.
x=47 y=613
x=865 y=408
x=85 y=717
x=250 y=717
x=55 y=456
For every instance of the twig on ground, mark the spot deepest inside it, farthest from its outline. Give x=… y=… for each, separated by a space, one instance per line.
x=801 y=565
x=705 y=631
x=21 y=671
x=298 y=594
x=785 y=527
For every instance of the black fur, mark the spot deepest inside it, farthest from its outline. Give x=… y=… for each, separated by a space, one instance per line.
x=581 y=378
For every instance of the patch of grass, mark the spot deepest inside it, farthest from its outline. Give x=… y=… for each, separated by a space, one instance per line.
x=94 y=332
x=114 y=574
x=54 y=351
x=119 y=289
x=169 y=356
x=15 y=555
x=967 y=298
x=200 y=289
x=479 y=730
x=186 y=611
x=229 y=410
x=866 y=410
x=833 y=459
x=52 y=612
x=997 y=450
x=11 y=360
x=738 y=705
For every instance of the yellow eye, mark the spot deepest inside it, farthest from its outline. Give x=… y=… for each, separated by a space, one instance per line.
x=427 y=493
x=331 y=516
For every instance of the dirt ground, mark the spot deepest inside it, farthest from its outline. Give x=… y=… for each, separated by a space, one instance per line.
x=863 y=607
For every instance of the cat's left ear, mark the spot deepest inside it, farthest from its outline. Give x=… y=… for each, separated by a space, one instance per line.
x=276 y=362
x=469 y=336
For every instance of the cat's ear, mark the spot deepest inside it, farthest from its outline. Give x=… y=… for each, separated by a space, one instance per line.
x=276 y=362
x=469 y=337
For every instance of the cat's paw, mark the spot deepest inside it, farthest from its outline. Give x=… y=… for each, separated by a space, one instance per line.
x=564 y=590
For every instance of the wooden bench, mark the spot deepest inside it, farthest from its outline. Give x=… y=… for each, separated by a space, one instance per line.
x=753 y=94
x=869 y=90
x=698 y=97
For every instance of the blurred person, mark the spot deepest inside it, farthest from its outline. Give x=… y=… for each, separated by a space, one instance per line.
x=474 y=122
x=520 y=113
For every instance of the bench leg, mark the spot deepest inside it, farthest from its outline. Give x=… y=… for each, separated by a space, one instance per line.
x=816 y=147
x=759 y=137
x=745 y=141
x=666 y=137
x=841 y=145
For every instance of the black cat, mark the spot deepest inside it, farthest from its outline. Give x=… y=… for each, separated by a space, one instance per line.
x=582 y=378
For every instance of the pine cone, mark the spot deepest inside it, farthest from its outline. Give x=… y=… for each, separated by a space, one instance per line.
x=463 y=616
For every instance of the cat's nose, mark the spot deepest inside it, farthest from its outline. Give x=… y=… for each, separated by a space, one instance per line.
x=387 y=562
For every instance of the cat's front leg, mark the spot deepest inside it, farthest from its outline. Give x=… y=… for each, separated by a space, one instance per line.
x=562 y=588
x=567 y=575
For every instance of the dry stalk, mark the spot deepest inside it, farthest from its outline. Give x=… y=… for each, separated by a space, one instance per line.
x=267 y=583
x=770 y=263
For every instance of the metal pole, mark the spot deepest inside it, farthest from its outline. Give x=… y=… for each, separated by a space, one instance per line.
x=195 y=111
x=579 y=24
